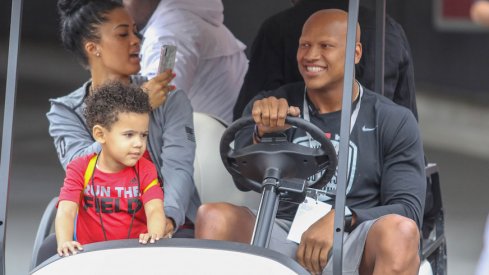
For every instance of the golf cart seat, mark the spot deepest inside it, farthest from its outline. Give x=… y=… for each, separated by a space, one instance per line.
x=433 y=249
x=212 y=181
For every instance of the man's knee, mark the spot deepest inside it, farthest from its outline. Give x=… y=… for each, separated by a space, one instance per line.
x=224 y=221
x=398 y=240
x=394 y=232
x=408 y=229
x=218 y=213
x=403 y=229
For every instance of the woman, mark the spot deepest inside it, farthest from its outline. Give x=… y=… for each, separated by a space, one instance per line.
x=103 y=36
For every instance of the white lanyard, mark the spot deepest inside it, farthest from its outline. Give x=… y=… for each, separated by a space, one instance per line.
x=353 y=117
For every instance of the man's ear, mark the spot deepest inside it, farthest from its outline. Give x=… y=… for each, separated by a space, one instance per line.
x=98 y=133
x=358 y=52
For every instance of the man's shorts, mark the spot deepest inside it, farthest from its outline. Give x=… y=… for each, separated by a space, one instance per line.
x=353 y=245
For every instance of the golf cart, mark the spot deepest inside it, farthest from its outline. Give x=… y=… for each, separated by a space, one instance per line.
x=226 y=257
x=219 y=257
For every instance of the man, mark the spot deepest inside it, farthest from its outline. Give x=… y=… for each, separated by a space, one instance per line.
x=386 y=186
x=211 y=63
x=273 y=64
x=479 y=12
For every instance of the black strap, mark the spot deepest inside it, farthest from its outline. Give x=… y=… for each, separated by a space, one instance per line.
x=100 y=209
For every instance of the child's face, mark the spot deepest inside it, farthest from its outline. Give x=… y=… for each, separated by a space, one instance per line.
x=126 y=141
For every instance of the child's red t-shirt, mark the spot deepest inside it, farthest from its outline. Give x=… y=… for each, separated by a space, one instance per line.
x=116 y=196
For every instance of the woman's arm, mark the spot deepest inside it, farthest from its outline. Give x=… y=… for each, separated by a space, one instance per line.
x=176 y=157
x=71 y=136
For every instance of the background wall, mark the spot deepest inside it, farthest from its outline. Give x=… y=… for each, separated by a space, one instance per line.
x=449 y=61
x=452 y=61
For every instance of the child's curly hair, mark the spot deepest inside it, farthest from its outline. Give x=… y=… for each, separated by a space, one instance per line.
x=107 y=101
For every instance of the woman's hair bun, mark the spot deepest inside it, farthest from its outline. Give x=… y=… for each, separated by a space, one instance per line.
x=68 y=7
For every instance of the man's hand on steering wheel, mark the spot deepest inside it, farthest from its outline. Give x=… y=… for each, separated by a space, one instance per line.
x=269 y=114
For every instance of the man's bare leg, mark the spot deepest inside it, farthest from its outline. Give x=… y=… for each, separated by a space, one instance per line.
x=392 y=247
x=224 y=221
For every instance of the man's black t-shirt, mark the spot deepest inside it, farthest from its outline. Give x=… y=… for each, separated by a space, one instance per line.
x=386 y=160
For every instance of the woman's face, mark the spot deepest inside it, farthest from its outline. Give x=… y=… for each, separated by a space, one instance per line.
x=117 y=52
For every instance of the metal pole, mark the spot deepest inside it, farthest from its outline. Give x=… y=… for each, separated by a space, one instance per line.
x=379 y=45
x=339 y=219
x=266 y=214
x=11 y=87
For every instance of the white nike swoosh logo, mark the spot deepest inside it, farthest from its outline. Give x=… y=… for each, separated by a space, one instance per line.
x=365 y=129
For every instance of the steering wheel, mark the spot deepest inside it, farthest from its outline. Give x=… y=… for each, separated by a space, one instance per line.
x=251 y=164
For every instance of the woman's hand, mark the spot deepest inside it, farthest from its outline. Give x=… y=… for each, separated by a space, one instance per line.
x=158 y=88
x=169 y=228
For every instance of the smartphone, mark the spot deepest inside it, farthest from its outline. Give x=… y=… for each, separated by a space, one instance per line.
x=168 y=55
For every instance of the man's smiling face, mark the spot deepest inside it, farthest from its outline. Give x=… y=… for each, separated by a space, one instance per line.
x=321 y=52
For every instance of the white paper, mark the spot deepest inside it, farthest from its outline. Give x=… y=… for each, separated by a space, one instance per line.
x=308 y=213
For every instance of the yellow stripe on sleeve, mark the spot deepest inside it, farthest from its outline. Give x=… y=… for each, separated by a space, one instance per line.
x=89 y=171
x=153 y=183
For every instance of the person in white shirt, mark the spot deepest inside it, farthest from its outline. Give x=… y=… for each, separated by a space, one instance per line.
x=211 y=63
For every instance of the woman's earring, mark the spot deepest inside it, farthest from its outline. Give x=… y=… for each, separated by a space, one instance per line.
x=97 y=54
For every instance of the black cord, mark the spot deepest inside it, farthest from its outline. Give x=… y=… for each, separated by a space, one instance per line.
x=100 y=208
x=139 y=195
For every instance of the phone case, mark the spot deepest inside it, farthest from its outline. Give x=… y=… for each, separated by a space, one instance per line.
x=167 y=58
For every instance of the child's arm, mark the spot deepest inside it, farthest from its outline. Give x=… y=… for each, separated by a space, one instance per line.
x=64 y=227
x=156 y=220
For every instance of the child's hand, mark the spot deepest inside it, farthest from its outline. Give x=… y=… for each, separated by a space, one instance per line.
x=152 y=237
x=156 y=221
x=70 y=246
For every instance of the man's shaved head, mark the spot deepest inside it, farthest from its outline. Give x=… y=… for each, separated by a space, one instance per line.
x=330 y=18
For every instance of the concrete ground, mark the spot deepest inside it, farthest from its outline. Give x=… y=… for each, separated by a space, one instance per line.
x=454 y=131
